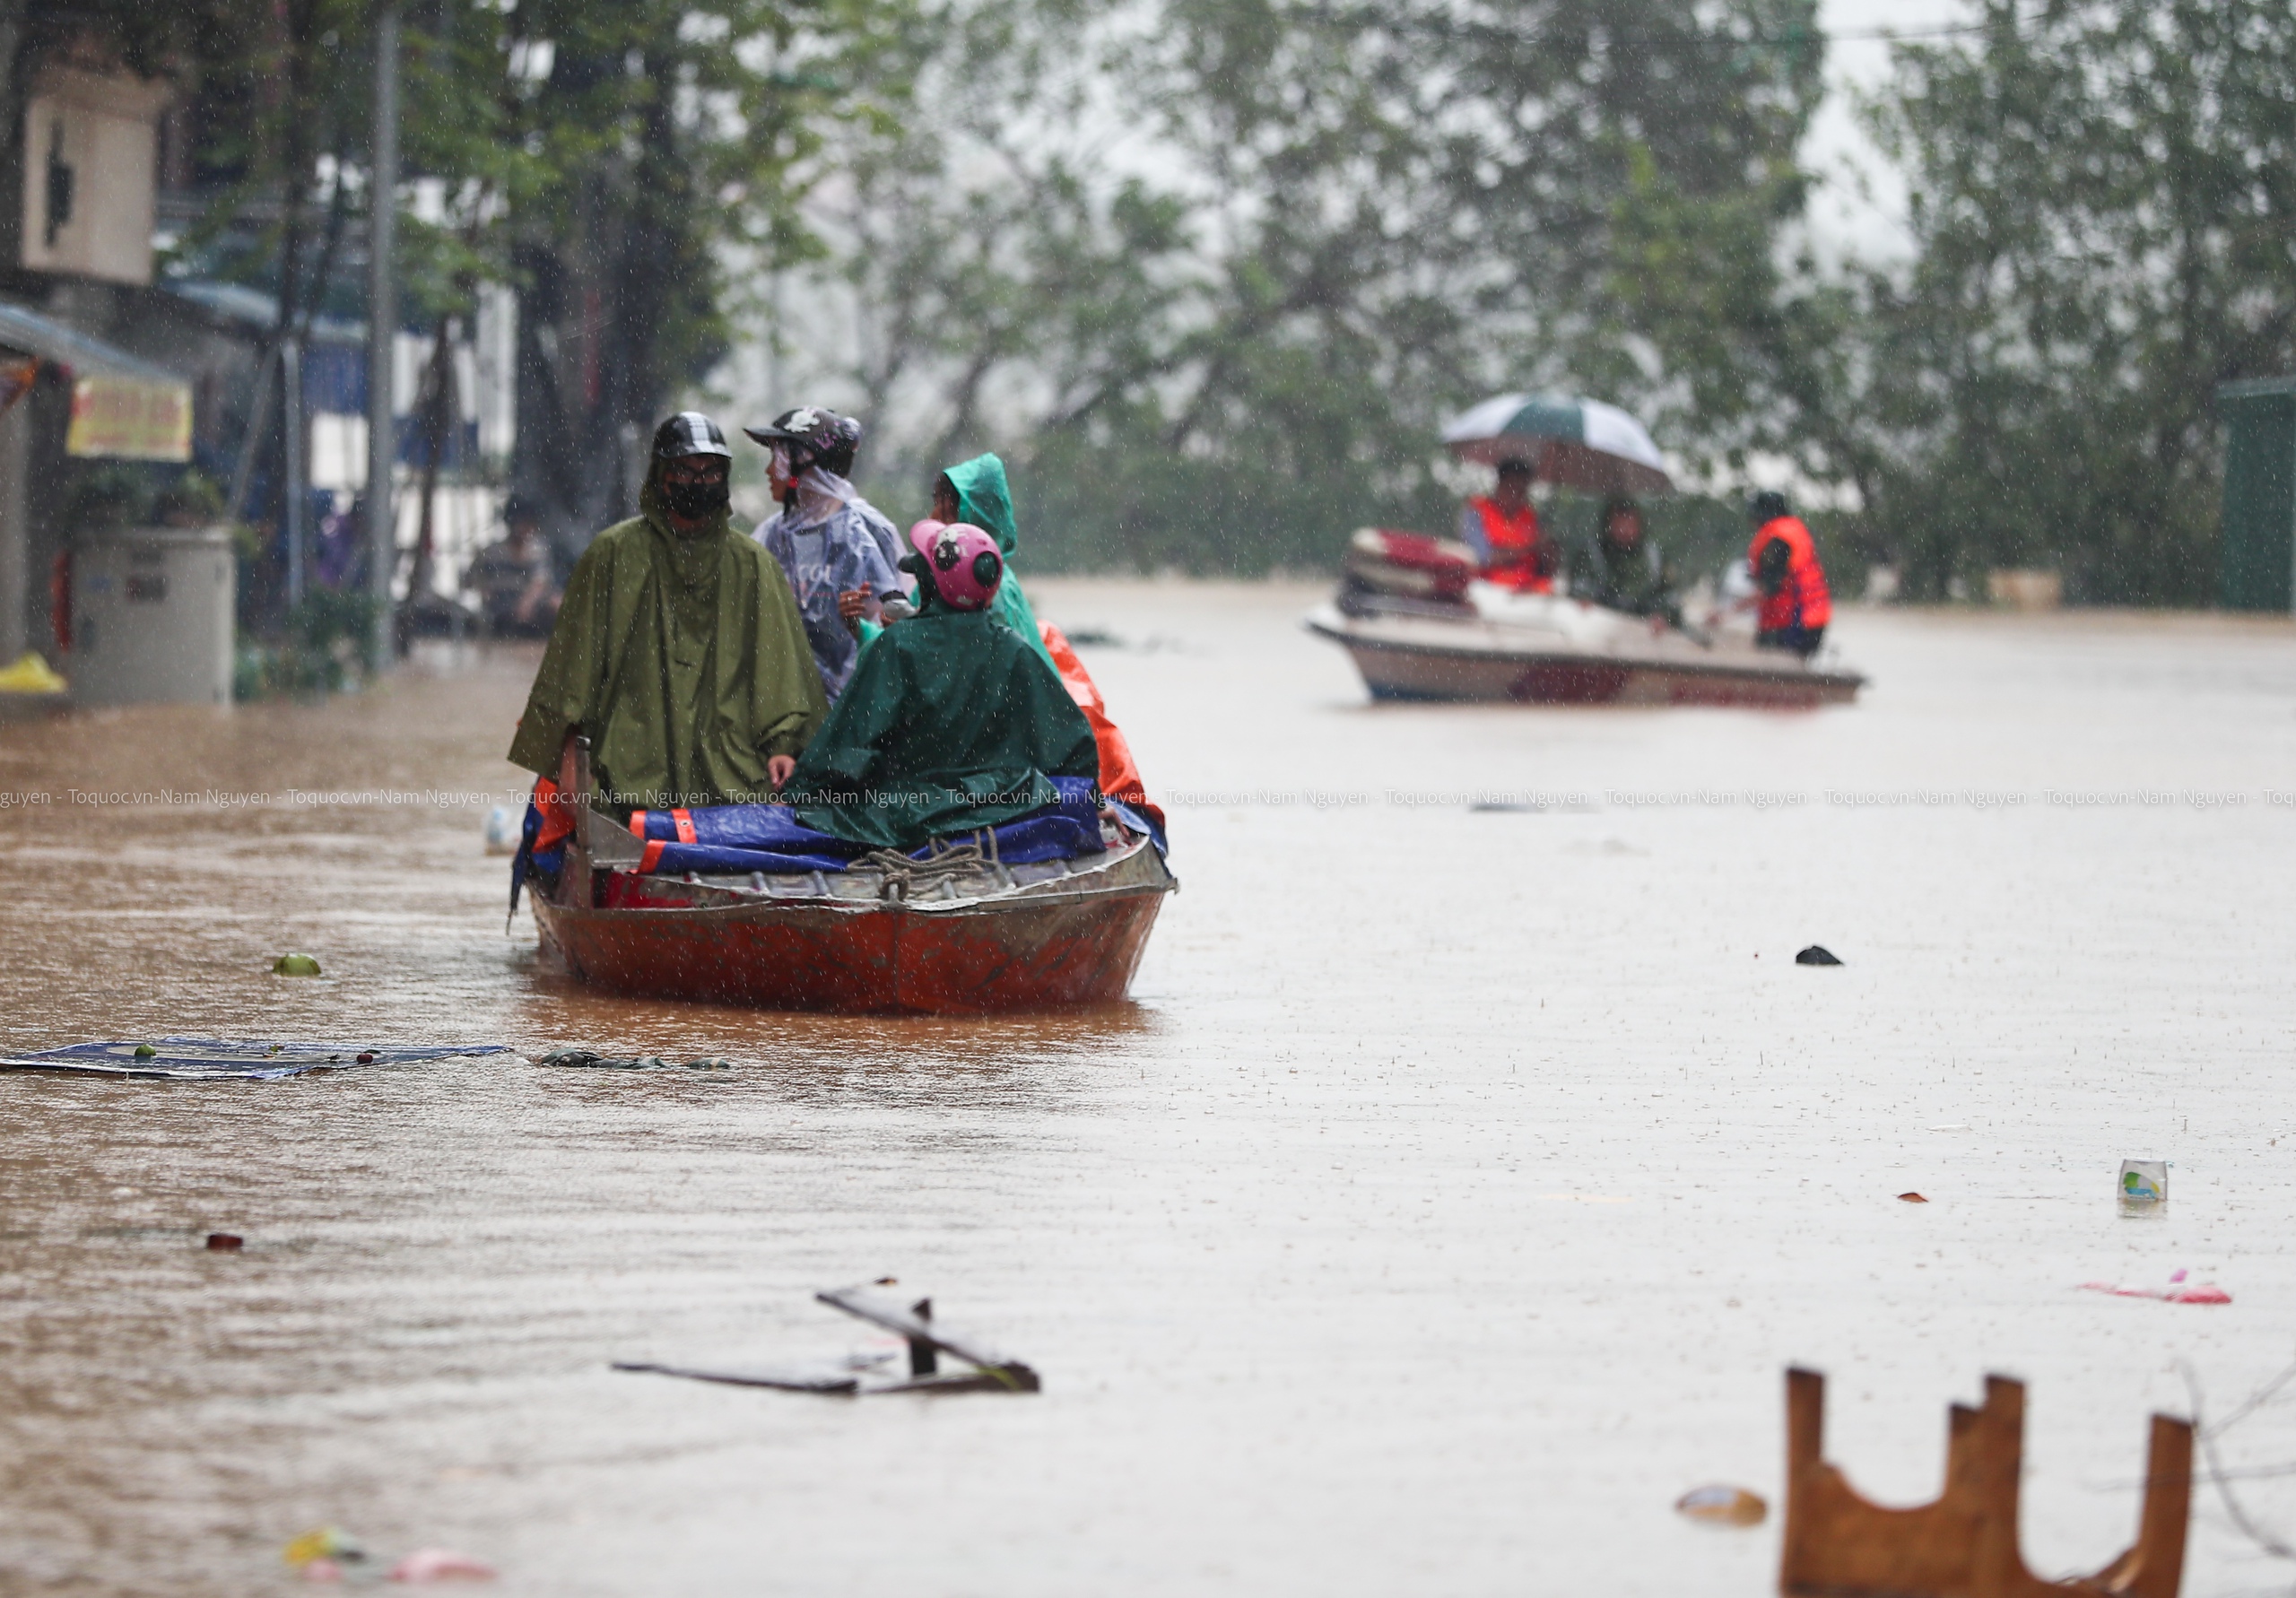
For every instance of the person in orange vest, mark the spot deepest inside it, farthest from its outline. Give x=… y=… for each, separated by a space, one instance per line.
x=1502 y=529
x=1784 y=561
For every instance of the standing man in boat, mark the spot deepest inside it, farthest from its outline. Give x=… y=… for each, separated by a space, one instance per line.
x=1783 y=559
x=1502 y=528
x=839 y=551
x=678 y=651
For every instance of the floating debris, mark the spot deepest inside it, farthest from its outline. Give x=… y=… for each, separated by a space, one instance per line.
x=210 y=1059
x=295 y=965
x=991 y=1372
x=1723 y=1506
x=1912 y=1198
x=590 y=1060
x=2176 y=1292
x=441 y=1564
x=502 y=829
x=1817 y=954
x=225 y=1243
x=2143 y=1186
x=322 y=1543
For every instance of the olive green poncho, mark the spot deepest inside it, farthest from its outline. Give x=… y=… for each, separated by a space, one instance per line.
x=684 y=659
x=949 y=723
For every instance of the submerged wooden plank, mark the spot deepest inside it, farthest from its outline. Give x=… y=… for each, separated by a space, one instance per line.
x=788 y=1379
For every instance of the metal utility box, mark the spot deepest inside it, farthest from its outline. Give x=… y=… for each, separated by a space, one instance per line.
x=2257 y=546
x=151 y=617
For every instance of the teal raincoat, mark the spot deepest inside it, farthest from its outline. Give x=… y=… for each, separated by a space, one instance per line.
x=985 y=499
x=949 y=723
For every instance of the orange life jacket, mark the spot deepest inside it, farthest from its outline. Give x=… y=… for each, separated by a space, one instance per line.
x=1119 y=774
x=1801 y=599
x=1519 y=558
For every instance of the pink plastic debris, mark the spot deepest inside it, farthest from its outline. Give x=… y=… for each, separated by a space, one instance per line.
x=441 y=1564
x=2200 y=1293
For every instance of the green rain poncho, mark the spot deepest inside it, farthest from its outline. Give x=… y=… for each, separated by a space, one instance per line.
x=985 y=499
x=949 y=723
x=684 y=659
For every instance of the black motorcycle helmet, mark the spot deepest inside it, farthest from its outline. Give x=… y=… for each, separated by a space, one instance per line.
x=689 y=432
x=814 y=436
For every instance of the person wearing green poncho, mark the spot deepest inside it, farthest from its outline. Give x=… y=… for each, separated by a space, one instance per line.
x=950 y=721
x=678 y=650
x=975 y=491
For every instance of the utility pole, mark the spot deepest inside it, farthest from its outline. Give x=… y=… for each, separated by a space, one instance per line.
x=382 y=329
x=298 y=474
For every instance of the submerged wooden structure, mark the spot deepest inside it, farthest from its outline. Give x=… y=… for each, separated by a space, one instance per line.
x=1838 y=1544
x=990 y=1371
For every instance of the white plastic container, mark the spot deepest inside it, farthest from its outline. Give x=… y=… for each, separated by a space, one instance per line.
x=2143 y=1186
x=151 y=617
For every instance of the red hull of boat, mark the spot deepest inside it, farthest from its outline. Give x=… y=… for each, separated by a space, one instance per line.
x=889 y=957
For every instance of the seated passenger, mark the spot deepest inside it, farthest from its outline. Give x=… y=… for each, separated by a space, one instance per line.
x=512 y=579
x=1622 y=569
x=975 y=493
x=678 y=650
x=1502 y=529
x=950 y=721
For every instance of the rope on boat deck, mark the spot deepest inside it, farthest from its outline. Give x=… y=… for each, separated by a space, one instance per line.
x=904 y=874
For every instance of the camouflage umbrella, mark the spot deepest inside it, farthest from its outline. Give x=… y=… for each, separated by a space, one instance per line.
x=1578 y=443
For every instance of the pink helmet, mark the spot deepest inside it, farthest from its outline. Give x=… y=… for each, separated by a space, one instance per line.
x=966 y=566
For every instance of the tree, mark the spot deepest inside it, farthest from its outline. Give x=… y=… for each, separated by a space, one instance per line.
x=651 y=140
x=2104 y=214
x=1226 y=351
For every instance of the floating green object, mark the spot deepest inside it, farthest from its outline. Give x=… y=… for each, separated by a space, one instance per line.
x=144 y=1051
x=295 y=965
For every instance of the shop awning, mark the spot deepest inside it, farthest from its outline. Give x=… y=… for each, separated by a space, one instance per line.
x=122 y=407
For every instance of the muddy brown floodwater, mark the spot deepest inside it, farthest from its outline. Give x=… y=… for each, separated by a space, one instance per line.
x=1449 y=1199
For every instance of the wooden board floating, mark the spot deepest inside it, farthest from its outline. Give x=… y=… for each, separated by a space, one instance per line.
x=1837 y=1544
x=991 y=1372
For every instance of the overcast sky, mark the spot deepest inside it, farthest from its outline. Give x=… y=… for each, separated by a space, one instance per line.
x=1860 y=210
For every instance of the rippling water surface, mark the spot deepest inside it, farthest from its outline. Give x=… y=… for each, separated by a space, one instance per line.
x=1449 y=1199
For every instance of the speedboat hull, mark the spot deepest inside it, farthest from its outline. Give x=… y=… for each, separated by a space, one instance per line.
x=1444 y=653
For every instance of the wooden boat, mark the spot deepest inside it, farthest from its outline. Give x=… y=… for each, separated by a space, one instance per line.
x=1537 y=648
x=959 y=934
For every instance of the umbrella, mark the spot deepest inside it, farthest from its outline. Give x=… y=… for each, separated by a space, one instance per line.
x=1579 y=443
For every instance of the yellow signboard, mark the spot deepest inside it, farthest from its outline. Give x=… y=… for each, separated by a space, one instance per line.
x=126 y=419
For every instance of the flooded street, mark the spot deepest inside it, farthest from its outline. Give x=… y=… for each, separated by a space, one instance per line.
x=1450 y=1199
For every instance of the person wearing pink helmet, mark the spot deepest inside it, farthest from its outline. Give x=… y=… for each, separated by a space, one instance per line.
x=950 y=721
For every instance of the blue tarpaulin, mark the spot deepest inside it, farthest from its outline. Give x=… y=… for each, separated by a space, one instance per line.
x=732 y=837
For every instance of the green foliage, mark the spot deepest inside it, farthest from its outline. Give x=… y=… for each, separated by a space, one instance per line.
x=1361 y=219
x=2105 y=220
x=322 y=651
x=105 y=495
